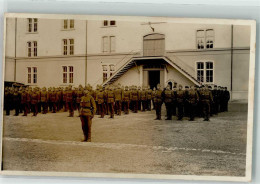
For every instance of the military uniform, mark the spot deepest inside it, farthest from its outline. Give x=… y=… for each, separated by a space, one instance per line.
x=168 y=98
x=34 y=102
x=16 y=100
x=64 y=99
x=134 y=95
x=44 y=101
x=180 y=98
x=79 y=94
x=143 y=99
x=69 y=101
x=88 y=108
x=158 y=100
x=24 y=103
x=8 y=101
x=226 y=98
x=126 y=99
x=110 y=102
x=206 y=99
x=193 y=99
x=119 y=95
x=101 y=102
x=149 y=98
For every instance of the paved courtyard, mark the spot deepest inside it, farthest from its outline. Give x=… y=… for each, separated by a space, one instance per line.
x=134 y=143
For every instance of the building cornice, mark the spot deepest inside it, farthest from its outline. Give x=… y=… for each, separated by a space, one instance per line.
x=207 y=50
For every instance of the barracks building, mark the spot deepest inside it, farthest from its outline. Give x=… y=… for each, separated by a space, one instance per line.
x=62 y=52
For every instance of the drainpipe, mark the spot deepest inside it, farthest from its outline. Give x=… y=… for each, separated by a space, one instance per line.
x=231 y=83
x=15 y=49
x=86 y=53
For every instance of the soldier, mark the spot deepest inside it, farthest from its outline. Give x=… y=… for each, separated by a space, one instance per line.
x=193 y=99
x=59 y=98
x=87 y=112
x=119 y=95
x=105 y=99
x=168 y=96
x=16 y=100
x=153 y=96
x=158 y=100
x=215 y=96
x=79 y=94
x=126 y=99
x=180 y=98
x=53 y=99
x=149 y=98
x=100 y=99
x=111 y=101
x=34 y=101
x=29 y=94
x=69 y=101
x=226 y=98
x=49 y=98
x=94 y=95
x=143 y=98
x=20 y=94
x=24 y=101
x=186 y=103
x=134 y=98
x=44 y=100
x=174 y=102
x=139 y=97
x=8 y=100
x=206 y=99
x=64 y=99
x=38 y=91
x=221 y=99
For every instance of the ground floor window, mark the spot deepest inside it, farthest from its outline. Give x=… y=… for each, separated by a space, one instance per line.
x=31 y=75
x=205 y=71
x=108 y=70
x=67 y=74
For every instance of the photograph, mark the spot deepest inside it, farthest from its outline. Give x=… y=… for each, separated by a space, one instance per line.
x=128 y=97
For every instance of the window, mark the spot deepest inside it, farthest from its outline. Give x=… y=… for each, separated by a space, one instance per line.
x=205 y=71
x=112 y=69
x=65 y=46
x=32 y=48
x=205 y=39
x=31 y=75
x=209 y=38
x=109 y=43
x=108 y=70
x=105 y=23
x=68 y=24
x=108 y=23
x=112 y=23
x=67 y=73
x=32 y=25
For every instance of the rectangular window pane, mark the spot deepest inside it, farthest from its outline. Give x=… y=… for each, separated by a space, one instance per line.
x=71 y=46
x=112 y=43
x=112 y=23
x=29 y=74
x=34 y=48
x=71 y=68
x=209 y=65
x=29 y=44
x=64 y=69
x=112 y=67
x=35 y=27
x=104 y=67
x=71 y=24
x=105 y=44
x=71 y=77
x=105 y=23
x=29 y=25
x=65 y=24
x=65 y=47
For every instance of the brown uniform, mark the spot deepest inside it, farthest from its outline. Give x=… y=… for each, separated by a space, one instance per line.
x=127 y=97
x=101 y=105
x=44 y=101
x=134 y=95
x=110 y=102
x=24 y=103
x=87 y=111
x=119 y=95
x=34 y=103
x=69 y=101
x=158 y=100
x=143 y=99
x=149 y=98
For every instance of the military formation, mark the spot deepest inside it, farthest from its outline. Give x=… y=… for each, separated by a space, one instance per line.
x=192 y=101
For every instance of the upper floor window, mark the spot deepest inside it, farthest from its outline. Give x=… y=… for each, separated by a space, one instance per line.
x=107 y=23
x=31 y=75
x=205 y=71
x=68 y=24
x=32 y=48
x=205 y=39
x=68 y=46
x=109 y=43
x=67 y=74
x=32 y=25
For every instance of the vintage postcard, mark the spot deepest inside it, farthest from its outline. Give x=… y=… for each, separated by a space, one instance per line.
x=128 y=97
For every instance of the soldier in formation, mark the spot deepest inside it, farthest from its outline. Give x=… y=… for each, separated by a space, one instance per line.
x=194 y=101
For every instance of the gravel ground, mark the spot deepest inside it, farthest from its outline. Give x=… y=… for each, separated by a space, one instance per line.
x=134 y=143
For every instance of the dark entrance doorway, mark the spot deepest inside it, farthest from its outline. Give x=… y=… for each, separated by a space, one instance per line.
x=154 y=78
x=170 y=84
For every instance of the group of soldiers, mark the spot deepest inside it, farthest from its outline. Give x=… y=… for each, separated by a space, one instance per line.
x=193 y=101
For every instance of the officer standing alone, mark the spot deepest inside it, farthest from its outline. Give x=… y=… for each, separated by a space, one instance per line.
x=87 y=111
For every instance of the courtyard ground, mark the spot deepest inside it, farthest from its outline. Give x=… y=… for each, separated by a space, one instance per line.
x=134 y=143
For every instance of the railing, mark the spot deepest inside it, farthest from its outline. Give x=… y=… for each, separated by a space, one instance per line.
x=131 y=53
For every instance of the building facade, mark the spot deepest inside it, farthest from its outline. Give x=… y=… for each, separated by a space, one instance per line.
x=52 y=52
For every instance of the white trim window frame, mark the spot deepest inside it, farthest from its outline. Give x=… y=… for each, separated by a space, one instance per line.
x=205 y=72
x=109 y=44
x=105 y=72
x=67 y=74
x=68 y=46
x=108 y=23
x=32 y=49
x=32 y=75
x=32 y=25
x=68 y=24
x=111 y=69
x=205 y=39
